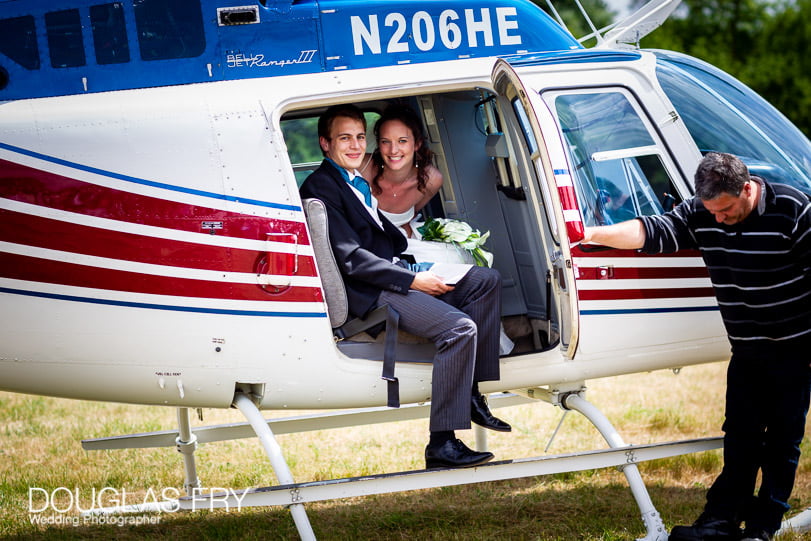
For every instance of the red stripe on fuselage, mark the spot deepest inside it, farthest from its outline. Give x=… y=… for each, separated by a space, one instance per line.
x=37 y=187
x=640 y=273
x=607 y=273
x=35 y=269
x=19 y=228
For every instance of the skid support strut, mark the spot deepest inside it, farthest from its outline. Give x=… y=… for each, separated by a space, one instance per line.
x=186 y=444
x=650 y=516
x=274 y=452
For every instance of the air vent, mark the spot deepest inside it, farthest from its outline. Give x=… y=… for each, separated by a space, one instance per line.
x=238 y=15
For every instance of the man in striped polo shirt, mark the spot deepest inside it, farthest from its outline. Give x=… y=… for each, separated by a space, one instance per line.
x=755 y=238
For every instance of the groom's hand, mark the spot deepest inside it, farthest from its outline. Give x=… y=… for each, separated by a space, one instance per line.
x=428 y=282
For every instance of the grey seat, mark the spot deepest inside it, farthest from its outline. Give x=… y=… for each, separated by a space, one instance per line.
x=331 y=280
x=344 y=326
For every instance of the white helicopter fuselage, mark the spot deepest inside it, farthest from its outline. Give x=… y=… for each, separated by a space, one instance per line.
x=155 y=250
x=144 y=216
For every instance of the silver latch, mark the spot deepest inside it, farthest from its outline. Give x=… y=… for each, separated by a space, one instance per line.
x=605 y=272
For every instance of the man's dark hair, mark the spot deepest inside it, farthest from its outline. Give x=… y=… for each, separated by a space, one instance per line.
x=719 y=173
x=328 y=117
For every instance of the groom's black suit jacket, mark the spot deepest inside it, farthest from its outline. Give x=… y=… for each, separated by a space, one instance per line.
x=363 y=250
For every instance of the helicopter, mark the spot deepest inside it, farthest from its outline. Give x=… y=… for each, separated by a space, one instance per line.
x=154 y=248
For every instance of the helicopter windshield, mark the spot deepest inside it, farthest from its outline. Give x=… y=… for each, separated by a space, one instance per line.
x=724 y=115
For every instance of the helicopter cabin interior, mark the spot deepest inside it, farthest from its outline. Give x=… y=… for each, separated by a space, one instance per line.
x=483 y=187
x=484 y=147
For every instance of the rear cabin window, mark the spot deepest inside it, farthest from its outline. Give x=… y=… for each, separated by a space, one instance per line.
x=301 y=138
x=109 y=33
x=18 y=41
x=65 y=46
x=169 y=29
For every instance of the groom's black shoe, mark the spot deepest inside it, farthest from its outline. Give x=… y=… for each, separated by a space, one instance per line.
x=480 y=414
x=453 y=453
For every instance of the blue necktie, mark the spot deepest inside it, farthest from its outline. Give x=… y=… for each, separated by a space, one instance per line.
x=363 y=187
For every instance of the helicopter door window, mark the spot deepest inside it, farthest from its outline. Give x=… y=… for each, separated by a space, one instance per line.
x=526 y=128
x=534 y=155
x=618 y=168
x=498 y=148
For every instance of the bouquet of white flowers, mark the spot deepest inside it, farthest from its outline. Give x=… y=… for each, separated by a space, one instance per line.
x=460 y=233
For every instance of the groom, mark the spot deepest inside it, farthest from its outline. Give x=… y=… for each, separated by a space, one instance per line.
x=462 y=320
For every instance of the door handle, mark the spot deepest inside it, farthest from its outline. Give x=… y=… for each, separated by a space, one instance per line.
x=274 y=265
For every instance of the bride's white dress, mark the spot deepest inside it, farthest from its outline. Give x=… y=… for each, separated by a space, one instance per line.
x=402 y=218
x=436 y=252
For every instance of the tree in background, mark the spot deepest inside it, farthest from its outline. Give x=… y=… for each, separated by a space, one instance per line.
x=720 y=32
x=780 y=65
x=764 y=44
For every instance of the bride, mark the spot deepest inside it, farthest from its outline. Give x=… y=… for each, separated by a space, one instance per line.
x=403 y=177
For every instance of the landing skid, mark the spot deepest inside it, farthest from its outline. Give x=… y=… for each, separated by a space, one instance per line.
x=294 y=495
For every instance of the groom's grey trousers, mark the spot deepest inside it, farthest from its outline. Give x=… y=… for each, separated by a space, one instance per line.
x=464 y=324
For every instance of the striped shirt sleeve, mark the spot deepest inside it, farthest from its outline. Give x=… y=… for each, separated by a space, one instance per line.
x=669 y=232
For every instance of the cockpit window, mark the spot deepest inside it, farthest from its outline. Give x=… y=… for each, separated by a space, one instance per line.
x=617 y=167
x=724 y=115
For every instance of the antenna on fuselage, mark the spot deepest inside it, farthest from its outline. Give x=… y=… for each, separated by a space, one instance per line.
x=557 y=16
x=626 y=33
x=594 y=32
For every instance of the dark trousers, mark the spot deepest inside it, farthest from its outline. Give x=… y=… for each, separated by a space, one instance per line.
x=766 y=405
x=464 y=326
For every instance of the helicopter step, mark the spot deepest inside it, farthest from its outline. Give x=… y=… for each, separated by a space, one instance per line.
x=419 y=479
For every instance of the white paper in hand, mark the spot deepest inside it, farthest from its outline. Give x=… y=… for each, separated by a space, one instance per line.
x=450 y=273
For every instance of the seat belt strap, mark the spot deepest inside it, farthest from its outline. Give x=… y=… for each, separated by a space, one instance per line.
x=390 y=356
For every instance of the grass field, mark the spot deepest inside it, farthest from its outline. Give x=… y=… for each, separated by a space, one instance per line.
x=40 y=452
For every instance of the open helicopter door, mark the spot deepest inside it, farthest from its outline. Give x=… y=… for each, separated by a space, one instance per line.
x=612 y=148
x=546 y=179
